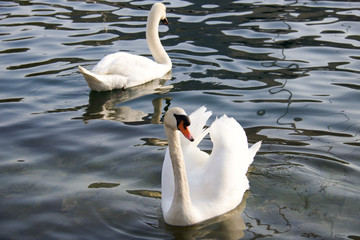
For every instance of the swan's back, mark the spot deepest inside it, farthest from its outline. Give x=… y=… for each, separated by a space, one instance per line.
x=124 y=64
x=137 y=69
x=227 y=133
x=223 y=180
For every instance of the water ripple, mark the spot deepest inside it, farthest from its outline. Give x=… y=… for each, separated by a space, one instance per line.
x=288 y=71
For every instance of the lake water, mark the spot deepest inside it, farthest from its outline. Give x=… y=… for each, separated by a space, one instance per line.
x=76 y=164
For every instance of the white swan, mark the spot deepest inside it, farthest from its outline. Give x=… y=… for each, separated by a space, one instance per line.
x=197 y=186
x=123 y=70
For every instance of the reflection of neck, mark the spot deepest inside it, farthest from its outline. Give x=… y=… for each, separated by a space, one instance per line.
x=153 y=40
x=157 y=111
x=179 y=211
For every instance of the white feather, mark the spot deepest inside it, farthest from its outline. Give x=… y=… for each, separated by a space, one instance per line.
x=124 y=70
x=217 y=182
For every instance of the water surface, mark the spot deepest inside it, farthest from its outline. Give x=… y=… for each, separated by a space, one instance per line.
x=76 y=164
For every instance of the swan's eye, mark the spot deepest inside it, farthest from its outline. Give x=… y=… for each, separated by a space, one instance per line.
x=182 y=118
x=183 y=122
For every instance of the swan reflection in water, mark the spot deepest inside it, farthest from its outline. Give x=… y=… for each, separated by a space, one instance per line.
x=103 y=105
x=226 y=226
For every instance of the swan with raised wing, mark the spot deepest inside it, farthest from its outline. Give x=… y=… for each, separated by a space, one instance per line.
x=124 y=70
x=197 y=186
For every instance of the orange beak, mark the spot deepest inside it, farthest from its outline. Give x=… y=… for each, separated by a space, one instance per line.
x=185 y=131
x=164 y=21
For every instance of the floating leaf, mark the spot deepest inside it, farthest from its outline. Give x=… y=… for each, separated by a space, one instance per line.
x=103 y=185
x=145 y=193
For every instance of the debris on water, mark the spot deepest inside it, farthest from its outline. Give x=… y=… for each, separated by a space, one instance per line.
x=103 y=185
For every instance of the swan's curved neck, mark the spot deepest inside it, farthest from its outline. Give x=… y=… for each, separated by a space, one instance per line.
x=180 y=210
x=153 y=40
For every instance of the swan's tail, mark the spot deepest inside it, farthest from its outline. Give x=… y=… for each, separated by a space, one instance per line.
x=253 y=150
x=100 y=82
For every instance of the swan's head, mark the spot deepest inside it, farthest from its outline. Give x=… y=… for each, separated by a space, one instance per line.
x=159 y=9
x=176 y=119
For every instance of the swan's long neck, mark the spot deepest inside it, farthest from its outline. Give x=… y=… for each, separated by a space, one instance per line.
x=180 y=210
x=153 y=40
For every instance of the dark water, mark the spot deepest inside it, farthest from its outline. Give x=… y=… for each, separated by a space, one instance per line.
x=76 y=164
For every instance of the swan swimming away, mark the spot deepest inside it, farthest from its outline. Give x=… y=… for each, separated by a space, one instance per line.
x=124 y=70
x=197 y=186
